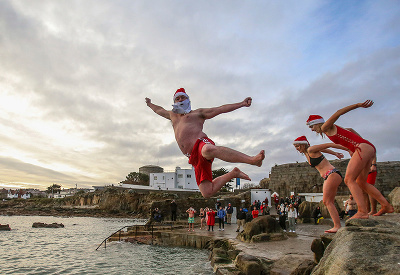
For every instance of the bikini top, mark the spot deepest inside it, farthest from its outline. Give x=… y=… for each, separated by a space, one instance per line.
x=315 y=161
x=348 y=139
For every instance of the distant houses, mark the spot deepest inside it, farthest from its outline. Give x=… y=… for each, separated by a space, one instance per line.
x=35 y=193
x=18 y=194
x=67 y=193
x=21 y=193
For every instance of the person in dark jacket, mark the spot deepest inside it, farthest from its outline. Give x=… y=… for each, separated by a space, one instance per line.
x=229 y=211
x=316 y=214
x=174 y=208
x=221 y=215
x=241 y=218
x=282 y=220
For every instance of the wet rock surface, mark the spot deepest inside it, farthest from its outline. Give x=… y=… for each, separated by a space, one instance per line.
x=47 y=225
x=264 y=228
x=369 y=246
x=5 y=227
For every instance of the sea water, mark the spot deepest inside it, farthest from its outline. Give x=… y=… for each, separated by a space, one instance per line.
x=72 y=249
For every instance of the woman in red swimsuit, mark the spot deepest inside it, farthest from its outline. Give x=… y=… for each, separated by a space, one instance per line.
x=362 y=151
x=330 y=174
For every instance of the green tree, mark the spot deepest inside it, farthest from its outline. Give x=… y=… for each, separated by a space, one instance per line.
x=220 y=172
x=136 y=178
x=55 y=188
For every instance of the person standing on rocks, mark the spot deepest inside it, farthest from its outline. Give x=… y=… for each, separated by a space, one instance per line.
x=292 y=216
x=174 y=209
x=210 y=219
x=276 y=201
x=191 y=213
x=255 y=212
x=351 y=206
x=371 y=180
x=221 y=218
x=229 y=211
x=202 y=215
x=363 y=152
x=241 y=219
x=332 y=177
x=194 y=143
x=316 y=214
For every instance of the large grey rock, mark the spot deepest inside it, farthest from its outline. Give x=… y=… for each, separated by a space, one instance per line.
x=45 y=225
x=260 y=225
x=394 y=199
x=5 y=227
x=249 y=264
x=369 y=246
x=306 y=209
x=318 y=248
x=305 y=268
x=287 y=264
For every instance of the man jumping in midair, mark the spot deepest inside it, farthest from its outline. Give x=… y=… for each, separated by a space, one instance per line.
x=194 y=143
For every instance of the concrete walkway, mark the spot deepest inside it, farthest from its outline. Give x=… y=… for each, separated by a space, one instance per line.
x=298 y=243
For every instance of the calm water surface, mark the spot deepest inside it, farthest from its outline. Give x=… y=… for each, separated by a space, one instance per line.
x=72 y=250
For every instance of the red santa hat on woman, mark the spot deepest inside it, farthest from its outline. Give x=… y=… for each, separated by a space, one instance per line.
x=180 y=91
x=314 y=119
x=301 y=140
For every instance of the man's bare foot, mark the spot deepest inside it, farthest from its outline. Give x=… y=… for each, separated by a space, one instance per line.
x=239 y=174
x=372 y=212
x=385 y=209
x=258 y=159
x=360 y=215
x=332 y=230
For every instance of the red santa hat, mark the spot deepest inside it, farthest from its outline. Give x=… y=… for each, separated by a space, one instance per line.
x=180 y=91
x=301 y=140
x=314 y=119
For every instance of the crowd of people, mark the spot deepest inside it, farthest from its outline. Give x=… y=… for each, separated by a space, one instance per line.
x=287 y=209
x=222 y=215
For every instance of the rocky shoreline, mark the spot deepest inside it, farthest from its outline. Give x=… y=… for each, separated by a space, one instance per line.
x=262 y=248
x=360 y=247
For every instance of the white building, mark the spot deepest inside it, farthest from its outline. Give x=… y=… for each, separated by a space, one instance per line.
x=260 y=194
x=179 y=179
x=312 y=197
x=65 y=193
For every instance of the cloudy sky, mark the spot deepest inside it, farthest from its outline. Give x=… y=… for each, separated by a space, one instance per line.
x=74 y=76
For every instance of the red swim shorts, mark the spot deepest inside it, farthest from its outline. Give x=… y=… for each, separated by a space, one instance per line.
x=202 y=166
x=372 y=177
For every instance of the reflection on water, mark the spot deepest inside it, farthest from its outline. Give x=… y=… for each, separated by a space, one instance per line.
x=71 y=250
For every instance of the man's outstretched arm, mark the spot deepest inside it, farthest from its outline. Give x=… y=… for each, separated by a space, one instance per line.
x=208 y=113
x=158 y=109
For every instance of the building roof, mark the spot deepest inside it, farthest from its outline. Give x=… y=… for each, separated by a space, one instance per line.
x=151 y=166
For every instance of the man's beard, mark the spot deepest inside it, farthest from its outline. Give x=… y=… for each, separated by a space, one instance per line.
x=182 y=107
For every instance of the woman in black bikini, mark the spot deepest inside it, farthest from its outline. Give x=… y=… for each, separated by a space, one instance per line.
x=329 y=173
x=202 y=216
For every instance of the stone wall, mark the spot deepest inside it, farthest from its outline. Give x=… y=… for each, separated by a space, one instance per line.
x=301 y=178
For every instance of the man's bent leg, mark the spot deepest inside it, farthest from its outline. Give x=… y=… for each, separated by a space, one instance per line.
x=208 y=188
x=210 y=151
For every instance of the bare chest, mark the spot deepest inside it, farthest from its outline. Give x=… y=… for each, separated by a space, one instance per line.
x=182 y=121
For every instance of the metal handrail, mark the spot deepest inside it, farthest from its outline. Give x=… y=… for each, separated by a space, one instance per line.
x=136 y=225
